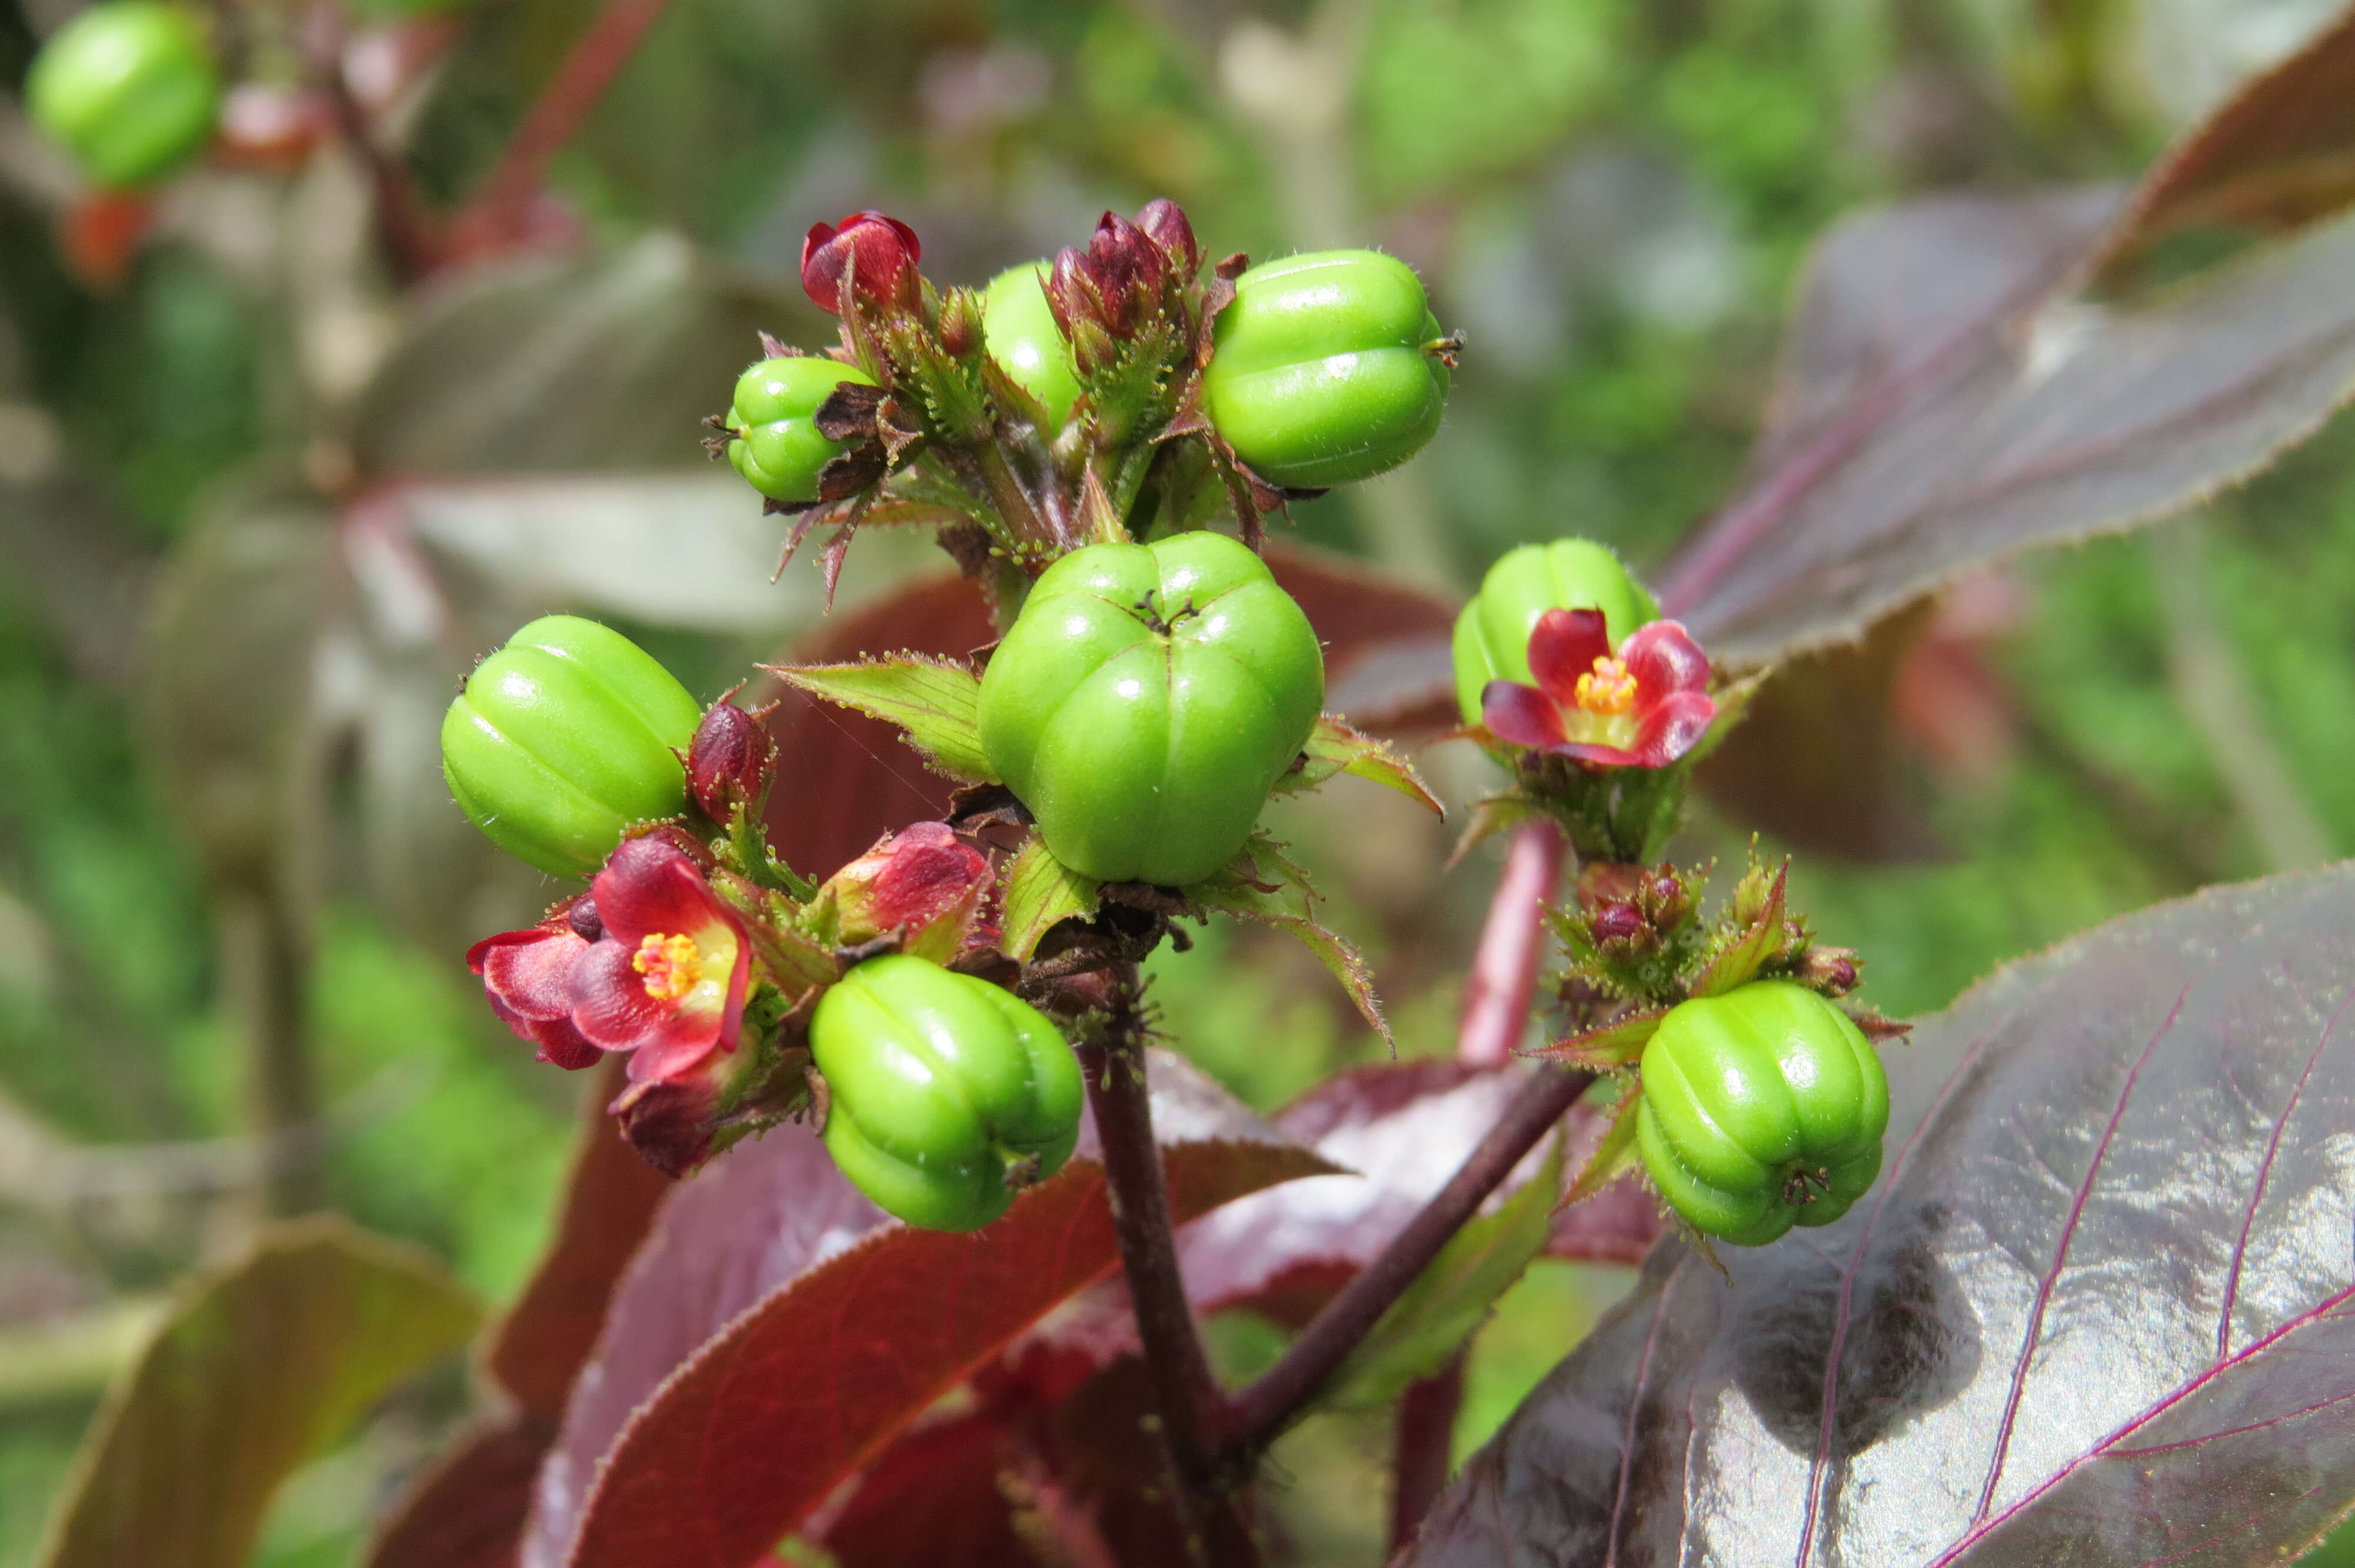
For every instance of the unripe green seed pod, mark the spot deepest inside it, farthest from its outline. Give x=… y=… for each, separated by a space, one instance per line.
x=778 y=448
x=1022 y=336
x=1144 y=702
x=129 y=88
x=564 y=738
x=939 y=1085
x=1492 y=635
x=1763 y=1108
x=1326 y=367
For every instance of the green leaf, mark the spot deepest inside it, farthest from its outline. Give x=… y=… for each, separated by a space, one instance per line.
x=1334 y=747
x=936 y=701
x=1616 y=1154
x=1425 y=1326
x=259 y=1365
x=1261 y=885
x=1612 y=1045
x=1040 y=892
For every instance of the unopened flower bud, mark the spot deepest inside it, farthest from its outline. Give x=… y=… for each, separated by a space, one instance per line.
x=876 y=253
x=961 y=318
x=729 y=762
x=923 y=884
x=1618 y=922
x=1128 y=267
x=1830 y=971
x=1165 y=220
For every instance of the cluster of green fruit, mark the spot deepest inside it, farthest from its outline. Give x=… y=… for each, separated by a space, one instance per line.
x=1325 y=371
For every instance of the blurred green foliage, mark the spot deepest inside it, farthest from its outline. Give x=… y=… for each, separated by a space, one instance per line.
x=1613 y=201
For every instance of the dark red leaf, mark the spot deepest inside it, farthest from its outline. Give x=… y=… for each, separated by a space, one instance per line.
x=1944 y=402
x=936 y=1499
x=539 y=1347
x=1815 y=762
x=2098 y=1310
x=2280 y=153
x=1388 y=665
x=844 y=779
x=776 y=1332
x=467 y=1509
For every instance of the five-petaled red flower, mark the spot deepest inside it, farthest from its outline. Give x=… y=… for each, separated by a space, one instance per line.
x=876 y=253
x=666 y=980
x=1641 y=706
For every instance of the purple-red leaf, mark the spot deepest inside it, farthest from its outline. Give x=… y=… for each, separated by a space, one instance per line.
x=1945 y=402
x=2100 y=1308
x=776 y=1332
x=2280 y=153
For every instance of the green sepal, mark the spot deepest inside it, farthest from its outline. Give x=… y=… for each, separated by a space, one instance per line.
x=1261 y=885
x=1041 y=893
x=1334 y=747
x=1425 y=1326
x=1618 y=1152
x=1752 y=946
x=1607 y=1047
x=935 y=701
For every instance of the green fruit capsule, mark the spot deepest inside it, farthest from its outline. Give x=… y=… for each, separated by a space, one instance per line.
x=564 y=738
x=938 y=1087
x=1492 y=635
x=1144 y=702
x=1763 y=1108
x=778 y=448
x=1022 y=336
x=1326 y=367
x=129 y=88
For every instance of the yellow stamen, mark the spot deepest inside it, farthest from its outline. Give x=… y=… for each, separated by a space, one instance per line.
x=1608 y=691
x=672 y=966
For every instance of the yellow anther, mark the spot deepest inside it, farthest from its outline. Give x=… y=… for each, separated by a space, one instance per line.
x=1607 y=691
x=672 y=966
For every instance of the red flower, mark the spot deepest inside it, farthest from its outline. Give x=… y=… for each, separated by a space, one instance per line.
x=666 y=980
x=529 y=975
x=1644 y=706
x=876 y=254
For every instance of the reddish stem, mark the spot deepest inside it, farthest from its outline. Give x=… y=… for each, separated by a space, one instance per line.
x=410 y=241
x=1498 y=991
x=597 y=57
x=1426 y=1437
x=1185 y=1395
x=1258 y=1413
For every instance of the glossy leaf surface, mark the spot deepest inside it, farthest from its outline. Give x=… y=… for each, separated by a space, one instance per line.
x=775 y=1332
x=1945 y=403
x=2096 y=1311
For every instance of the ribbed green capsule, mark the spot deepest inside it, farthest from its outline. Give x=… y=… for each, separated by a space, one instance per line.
x=129 y=88
x=1146 y=701
x=564 y=738
x=1492 y=634
x=777 y=446
x=1021 y=334
x=939 y=1085
x=1763 y=1108
x=1326 y=367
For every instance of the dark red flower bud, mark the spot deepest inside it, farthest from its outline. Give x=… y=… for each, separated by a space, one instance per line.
x=876 y=253
x=1831 y=970
x=1129 y=266
x=729 y=762
x=1165 y=220
x=961 y=322
x=1618 y=922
